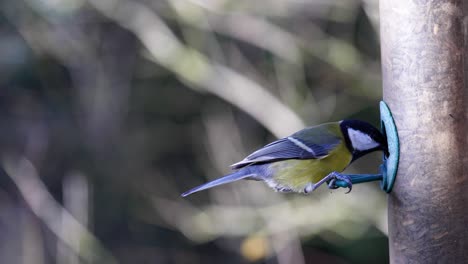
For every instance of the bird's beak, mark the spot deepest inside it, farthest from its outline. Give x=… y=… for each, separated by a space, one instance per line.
x=385 y=150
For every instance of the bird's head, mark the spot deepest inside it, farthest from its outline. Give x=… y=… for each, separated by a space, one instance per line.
x=362 y=138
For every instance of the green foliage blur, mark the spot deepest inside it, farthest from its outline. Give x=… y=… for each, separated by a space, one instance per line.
x=109 y=109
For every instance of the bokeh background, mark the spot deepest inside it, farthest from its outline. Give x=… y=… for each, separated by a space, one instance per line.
x=109 y=109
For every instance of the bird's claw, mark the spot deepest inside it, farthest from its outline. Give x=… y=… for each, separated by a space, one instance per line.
x=334 y=176
x=331 y=184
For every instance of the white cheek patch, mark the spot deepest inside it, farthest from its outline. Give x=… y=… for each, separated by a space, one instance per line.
x=361 y=141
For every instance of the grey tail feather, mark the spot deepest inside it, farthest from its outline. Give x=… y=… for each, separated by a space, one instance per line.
x=238 y=175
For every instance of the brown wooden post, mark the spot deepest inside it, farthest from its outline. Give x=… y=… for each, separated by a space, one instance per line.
x=425 y=69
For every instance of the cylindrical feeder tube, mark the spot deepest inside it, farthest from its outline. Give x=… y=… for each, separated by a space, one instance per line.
x=425 y=71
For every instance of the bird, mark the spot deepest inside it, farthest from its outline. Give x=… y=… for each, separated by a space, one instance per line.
x=305 y=160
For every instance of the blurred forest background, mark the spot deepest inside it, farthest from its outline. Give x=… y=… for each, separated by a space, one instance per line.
x=112 y=108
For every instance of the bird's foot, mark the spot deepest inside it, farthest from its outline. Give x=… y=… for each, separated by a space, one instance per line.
x=331 y=180
x=334 y=176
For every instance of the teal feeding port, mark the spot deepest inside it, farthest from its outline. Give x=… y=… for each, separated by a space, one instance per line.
x=389 y=167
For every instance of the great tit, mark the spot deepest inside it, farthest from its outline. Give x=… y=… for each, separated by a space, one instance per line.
x=308 y=158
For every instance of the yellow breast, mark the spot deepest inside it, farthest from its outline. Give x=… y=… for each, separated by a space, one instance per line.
x=295 y=174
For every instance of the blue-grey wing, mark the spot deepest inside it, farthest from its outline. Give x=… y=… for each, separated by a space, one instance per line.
x=288 y=148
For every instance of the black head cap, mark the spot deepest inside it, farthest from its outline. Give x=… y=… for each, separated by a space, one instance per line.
x=362 y=138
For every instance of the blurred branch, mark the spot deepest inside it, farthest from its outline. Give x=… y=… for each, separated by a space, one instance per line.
x=286 y=47
x=304 y=214
x=371 y=7
x=75 y=192
x=54 y=216
x=290 y=48
x=256 y=31
x=100 y=81
x=197 y=70
x=273 y=8
x=261 y=33
x=32 y=239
